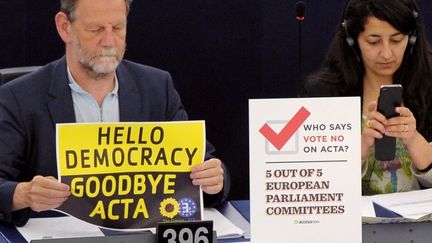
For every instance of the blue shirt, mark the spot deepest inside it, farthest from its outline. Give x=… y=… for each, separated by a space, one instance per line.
x=86 y=107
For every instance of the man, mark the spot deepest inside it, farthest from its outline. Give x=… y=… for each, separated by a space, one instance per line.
x=90 y=84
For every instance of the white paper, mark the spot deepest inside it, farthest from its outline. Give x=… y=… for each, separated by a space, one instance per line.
x=368 y=209
x=243 y=241
x=71 y=227
x=57 y=227
x=412 y=204
x=225 y=229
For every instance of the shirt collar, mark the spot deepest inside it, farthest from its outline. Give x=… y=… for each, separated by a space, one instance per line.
x=77 y=88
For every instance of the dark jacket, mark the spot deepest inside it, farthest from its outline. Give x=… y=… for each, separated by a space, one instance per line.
x=30 y=107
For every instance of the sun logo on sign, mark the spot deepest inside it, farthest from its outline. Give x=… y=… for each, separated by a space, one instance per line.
x=169 y=208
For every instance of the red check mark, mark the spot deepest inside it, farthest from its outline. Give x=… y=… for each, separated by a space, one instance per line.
x=280 y=139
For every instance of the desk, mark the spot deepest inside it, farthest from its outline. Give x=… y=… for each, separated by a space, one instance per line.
x=375 y=233
x=227 y=209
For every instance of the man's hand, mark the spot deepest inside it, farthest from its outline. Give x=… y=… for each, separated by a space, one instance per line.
x=209 y=175
x=41 y=193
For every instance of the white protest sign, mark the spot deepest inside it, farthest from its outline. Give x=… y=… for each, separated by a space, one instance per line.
x=305 y=170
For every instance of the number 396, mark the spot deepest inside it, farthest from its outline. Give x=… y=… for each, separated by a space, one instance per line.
x=186 y=235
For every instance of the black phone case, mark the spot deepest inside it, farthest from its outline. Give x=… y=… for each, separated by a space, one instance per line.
x=389 y=99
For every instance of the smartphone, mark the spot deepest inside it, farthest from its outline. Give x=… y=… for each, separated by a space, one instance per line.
x=389 y=98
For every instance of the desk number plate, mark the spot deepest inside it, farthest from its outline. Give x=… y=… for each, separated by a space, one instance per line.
x=185 y=232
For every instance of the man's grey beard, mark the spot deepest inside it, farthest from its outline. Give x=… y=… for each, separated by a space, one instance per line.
x=94 y=64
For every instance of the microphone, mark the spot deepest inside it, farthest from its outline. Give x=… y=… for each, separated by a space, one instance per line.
x=300 y=9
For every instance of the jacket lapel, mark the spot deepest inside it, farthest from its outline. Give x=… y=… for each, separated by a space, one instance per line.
x=61 y=105
x=129 y=98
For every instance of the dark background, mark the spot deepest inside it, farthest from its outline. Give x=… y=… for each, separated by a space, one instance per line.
x=220 y=53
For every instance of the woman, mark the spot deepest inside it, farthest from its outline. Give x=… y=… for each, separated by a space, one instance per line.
x=383 y=42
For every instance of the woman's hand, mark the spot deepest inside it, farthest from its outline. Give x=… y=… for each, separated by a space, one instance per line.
x=374 y=128
x=402 y=126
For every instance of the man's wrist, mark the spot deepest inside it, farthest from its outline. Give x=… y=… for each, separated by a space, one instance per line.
x=20 y=200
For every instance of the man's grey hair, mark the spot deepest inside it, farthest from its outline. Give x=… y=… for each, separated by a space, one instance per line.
x=69 y=6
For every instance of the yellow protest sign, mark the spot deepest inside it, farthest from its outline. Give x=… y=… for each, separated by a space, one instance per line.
x=131 y=175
